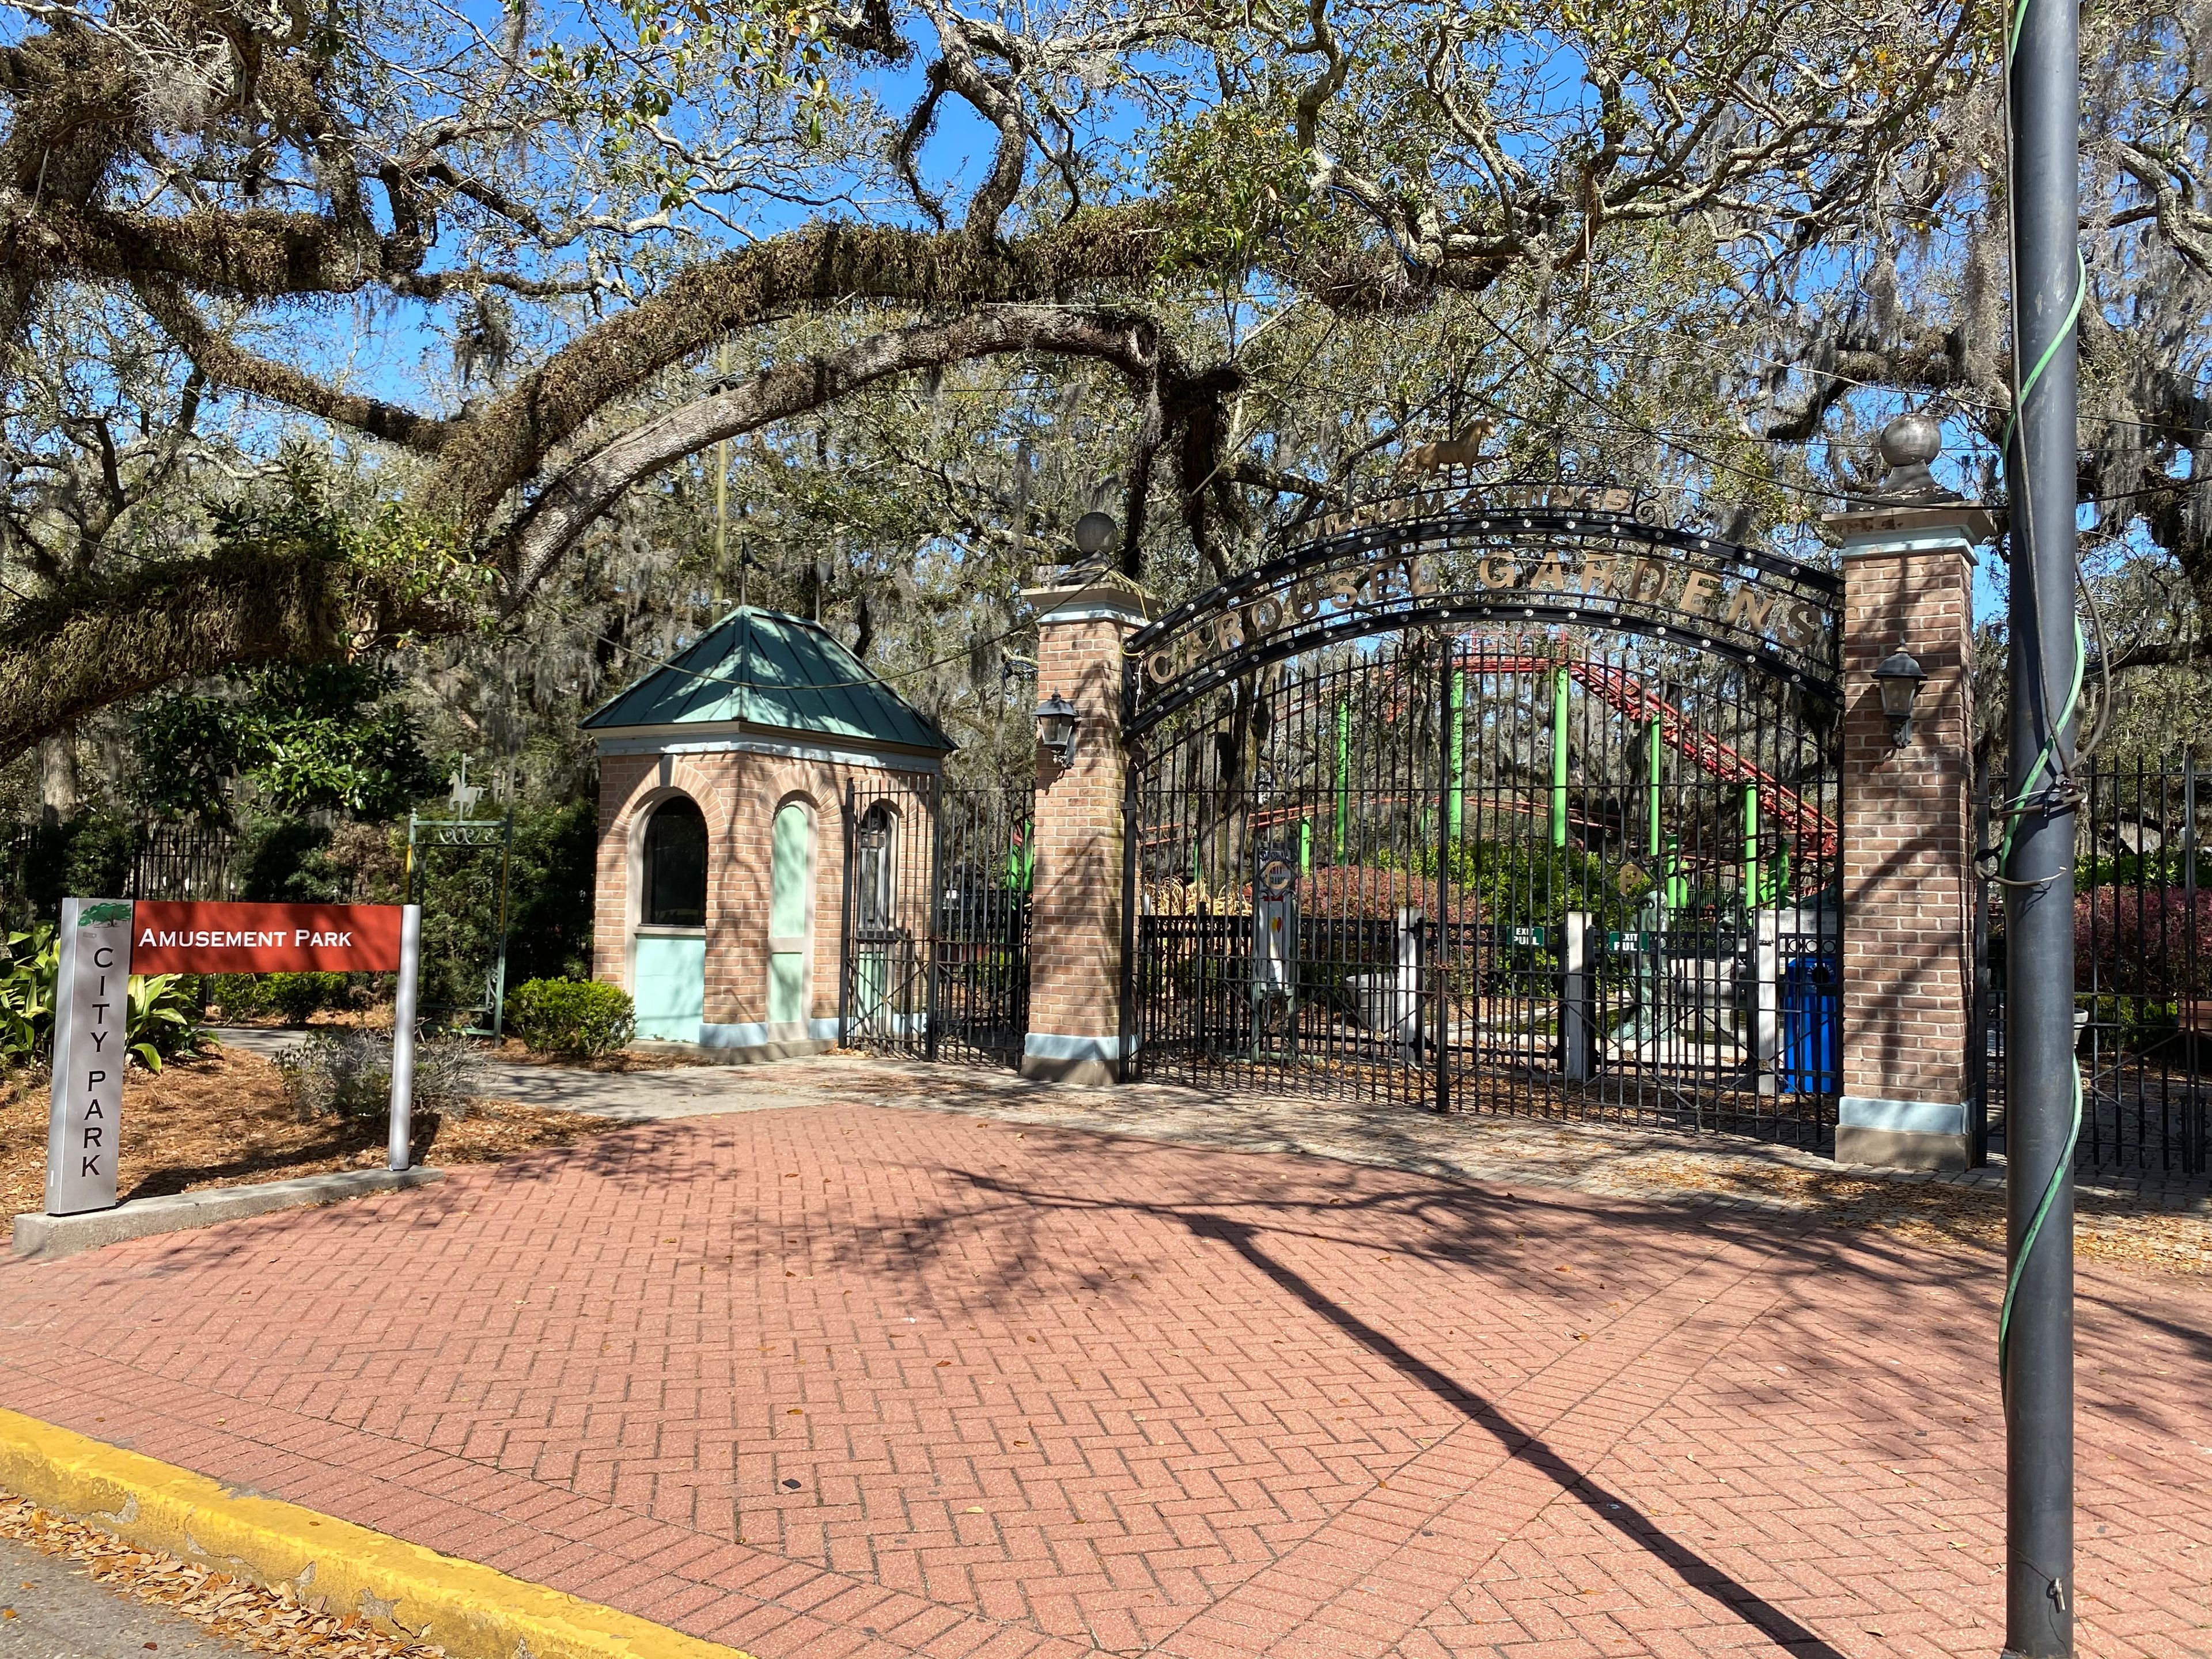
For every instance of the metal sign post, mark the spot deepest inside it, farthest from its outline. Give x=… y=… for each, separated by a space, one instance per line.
x=400 y=1147
x=91 y=1049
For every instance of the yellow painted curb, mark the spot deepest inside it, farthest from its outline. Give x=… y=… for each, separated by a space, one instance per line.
x=466 y=1608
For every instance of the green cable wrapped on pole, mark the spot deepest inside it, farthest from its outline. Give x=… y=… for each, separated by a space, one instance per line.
x=2042 y=1078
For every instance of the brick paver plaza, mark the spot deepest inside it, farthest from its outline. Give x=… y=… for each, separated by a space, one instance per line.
x=842 y=1379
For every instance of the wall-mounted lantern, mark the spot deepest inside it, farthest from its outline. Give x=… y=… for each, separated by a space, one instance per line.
x=1055 y=718
x=1899 y=678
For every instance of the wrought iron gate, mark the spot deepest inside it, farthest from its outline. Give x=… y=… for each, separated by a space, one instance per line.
x=937 y=912
x=2142 y=973
x=1463 y=826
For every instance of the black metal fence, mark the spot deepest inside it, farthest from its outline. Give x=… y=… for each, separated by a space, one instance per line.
x=42 y=863
x=1559 y=876
x=184 y=861
x=2142 y=973
x=936 y=919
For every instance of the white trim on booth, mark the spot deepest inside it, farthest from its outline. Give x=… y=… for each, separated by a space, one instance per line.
x=643 y=741
x=759 y=1033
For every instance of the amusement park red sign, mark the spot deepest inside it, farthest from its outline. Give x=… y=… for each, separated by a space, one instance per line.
x=169 y=938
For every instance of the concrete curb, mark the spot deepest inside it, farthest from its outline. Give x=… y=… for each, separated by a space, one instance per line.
x=45 y=1238
x=333 y=1565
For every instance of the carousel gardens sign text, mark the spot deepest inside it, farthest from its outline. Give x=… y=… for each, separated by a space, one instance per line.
x=1546 y=553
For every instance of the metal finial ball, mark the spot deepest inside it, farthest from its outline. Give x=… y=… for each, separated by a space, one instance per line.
x=1909 y=441
x=1094 y=533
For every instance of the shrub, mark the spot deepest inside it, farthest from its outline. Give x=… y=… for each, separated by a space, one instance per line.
x=345 y=1071
x=27 y=994
x=239 y=996
x=162 y=1016
x=2152 y=943
x=295 y=996
x=570 y=1016
x=163 y=1020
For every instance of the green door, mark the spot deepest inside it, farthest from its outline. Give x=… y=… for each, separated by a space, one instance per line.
x=791 y=854
x=672 y=984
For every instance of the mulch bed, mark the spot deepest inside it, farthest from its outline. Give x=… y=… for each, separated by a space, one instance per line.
x=2114 y=1233
x=221 y=1120
x=623 y=1060
x=267 y=1621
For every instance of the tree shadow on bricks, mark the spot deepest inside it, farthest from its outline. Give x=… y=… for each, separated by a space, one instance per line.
x=1616 y=1511
x=1248 y=1240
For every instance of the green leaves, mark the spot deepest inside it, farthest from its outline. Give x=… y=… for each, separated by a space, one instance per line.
x=161 y=1019
x=656 y=59
x=329 y=735
x=581 y=1017
x=1236 y=179
x=27 y=994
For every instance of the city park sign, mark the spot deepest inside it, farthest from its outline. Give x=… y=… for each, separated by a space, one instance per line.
x=1542 y=554
x=104 y=941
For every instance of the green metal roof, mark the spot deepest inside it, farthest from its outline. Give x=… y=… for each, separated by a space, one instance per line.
x=768 y=671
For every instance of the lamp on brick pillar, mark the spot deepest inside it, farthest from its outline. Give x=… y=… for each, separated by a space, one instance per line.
x=1085 y=614
x=1909 y=883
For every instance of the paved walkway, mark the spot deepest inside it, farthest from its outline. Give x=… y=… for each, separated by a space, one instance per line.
x=839 y=1380
x=632 y=1096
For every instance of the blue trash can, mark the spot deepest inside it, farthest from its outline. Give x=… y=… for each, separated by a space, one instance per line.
x=1812 y=1060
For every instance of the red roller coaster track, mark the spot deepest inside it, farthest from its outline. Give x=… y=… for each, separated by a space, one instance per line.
x=1621 y=692
x=1811 y=828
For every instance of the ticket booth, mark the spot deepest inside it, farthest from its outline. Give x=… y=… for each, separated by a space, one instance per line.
x=724 y=782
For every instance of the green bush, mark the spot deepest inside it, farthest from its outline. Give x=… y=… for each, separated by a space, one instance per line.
x=346 y=1072
x=163 y=1020
x=27 y=994
x=240 y=996
x=296 y=996
x=88 y=855
x=162 y=1017
x=570 y=1016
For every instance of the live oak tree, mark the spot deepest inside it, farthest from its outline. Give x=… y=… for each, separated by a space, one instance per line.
x=595 y=206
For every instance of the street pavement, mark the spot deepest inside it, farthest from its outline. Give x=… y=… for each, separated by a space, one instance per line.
x=839 y=1379
x=52 y=1609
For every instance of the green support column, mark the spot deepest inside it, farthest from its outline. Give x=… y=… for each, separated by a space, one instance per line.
x=1655 y=843
x=1343 y=775
x=1559 y=757
x=1305 y=846
x=1458 y=753
x=1751 y=899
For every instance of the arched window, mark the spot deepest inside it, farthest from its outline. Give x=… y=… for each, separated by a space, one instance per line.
x=676 y=866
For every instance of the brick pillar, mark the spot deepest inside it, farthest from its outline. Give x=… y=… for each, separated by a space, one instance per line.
x=1907 y=981
x=1075 y=907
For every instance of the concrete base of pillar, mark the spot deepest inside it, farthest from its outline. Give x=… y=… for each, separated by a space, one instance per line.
x=1900 y=1148
x=1082 y=1074
x=1901 y=1135
x=1087 y=1062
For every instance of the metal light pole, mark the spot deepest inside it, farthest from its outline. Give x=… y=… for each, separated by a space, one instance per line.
x=2042 y=1086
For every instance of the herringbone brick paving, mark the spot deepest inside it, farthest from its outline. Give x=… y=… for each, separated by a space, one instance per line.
x=837 y=1380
